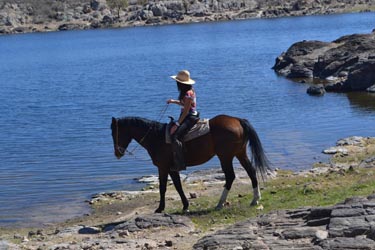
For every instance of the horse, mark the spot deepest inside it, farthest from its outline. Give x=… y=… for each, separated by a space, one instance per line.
x=227 y=138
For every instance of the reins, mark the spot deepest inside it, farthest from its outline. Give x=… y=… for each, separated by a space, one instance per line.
x=160 y=116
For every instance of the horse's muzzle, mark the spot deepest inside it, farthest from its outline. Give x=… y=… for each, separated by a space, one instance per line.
x=119 y=152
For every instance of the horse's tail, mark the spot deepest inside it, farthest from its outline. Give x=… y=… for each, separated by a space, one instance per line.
x=258 y=157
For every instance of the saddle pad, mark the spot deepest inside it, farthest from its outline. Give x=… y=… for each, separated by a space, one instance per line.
x=202 y=127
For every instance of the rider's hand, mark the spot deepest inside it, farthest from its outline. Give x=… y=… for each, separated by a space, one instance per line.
x=169 y=101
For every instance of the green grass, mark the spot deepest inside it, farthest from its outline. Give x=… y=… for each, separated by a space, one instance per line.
x=285 y=192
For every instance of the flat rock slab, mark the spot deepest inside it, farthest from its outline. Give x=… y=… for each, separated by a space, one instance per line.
x=150 y=221
x=348 y=225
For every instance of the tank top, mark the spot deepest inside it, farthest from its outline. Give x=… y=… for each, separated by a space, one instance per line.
x=190 y=95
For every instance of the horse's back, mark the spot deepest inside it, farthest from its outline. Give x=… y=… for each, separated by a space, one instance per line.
x=225 y=123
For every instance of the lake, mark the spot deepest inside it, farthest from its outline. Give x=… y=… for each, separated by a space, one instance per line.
x=59 y=90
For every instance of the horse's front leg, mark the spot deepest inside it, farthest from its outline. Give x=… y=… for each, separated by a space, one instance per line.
x=177 y=183
x=163 y=178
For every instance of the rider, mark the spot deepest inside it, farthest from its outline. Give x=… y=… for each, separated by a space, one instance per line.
x=188 y=116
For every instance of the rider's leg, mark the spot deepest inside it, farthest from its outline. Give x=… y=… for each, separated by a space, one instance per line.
x=177 y=146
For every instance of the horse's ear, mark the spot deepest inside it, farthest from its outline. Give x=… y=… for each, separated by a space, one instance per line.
x=113 y=120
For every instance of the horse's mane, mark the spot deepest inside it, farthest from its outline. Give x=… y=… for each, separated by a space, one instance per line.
x=139 y=122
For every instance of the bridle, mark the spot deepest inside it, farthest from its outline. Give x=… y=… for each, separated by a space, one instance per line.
x=119 y=149
x=122 y=150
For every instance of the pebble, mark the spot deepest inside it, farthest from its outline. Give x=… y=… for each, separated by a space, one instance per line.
x=193 y=195
x=168 y=243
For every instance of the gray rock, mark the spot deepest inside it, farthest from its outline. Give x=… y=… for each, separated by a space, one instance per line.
x=348 y=225
x=150 y=221
x=317 y=90
x=353 y=140
x=371 y=89
x=348 y=243
x=348 y=62
x=347 y=212
x=335 y=150
x=368 y=162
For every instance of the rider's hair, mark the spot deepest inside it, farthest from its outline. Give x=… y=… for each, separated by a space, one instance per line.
x=183 y=88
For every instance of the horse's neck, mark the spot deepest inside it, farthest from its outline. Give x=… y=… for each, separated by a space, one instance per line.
x=143 y=134
x=140 y=134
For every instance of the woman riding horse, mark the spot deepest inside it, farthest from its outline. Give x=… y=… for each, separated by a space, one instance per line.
x=188 y=117
x=228 y=138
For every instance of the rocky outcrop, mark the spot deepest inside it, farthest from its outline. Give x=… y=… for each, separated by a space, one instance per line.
x=346 y=64
x=42 y=15
x=348 y=225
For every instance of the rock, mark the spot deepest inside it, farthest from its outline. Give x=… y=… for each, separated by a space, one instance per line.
x=353 y=140
x=168 y=243
x=347 y=243
x=68 y=26
x=94 y=4
x=368 y=163
x=33 y=13
x=158 y=9
x=348 y=62
x=335 y=150
x=321 y=235
x=317 y=90
x=107 y=20
x=349 y=226
x=193 y=195
x=371 y=89
x=4 y=244
x=150 y=221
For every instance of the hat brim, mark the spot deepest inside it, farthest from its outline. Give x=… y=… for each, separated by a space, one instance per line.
x=189 y=82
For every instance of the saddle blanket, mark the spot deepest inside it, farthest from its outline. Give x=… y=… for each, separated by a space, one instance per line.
x=202 y=127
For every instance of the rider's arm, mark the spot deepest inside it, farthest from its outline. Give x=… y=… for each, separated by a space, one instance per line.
x=173 y=101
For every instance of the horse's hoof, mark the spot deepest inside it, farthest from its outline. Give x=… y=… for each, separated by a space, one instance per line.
x=185 y=211
x=254 y=203
x=158 y=211
x=217 y=208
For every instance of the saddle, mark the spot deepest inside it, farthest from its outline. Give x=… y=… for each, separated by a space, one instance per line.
x=202 y=127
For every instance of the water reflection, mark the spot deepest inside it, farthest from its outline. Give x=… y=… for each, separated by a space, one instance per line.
x=362 y=101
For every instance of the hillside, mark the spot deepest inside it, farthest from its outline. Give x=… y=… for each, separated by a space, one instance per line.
x=22 y=16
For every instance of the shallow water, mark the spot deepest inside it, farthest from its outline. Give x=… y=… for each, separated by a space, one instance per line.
x=60 y=90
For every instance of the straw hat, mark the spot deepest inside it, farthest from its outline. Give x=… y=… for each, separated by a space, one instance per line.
x=183 y=77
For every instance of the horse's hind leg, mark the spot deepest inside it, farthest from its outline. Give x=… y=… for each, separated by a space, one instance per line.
x=251 y=172
x=177 y=183
x=227 y=167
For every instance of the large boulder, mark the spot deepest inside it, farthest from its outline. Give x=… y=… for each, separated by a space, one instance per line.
x=348 y=63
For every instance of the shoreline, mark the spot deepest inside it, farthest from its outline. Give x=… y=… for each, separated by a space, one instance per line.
x=110 y=223
x=97 y=15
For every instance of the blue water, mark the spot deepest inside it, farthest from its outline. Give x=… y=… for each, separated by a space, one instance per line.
x=58 y=92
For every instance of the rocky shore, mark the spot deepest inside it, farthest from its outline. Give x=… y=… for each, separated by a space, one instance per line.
x=347 y=225
x=124 y=220
x=343 y=65
x=42 y=15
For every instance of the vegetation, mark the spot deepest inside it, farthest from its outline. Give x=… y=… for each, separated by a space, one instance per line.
x=288 y=191
x=118 y=5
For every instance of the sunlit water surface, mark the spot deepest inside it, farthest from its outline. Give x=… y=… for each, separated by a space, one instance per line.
x=58 y=92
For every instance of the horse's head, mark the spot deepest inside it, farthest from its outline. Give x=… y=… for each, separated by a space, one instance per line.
x=120 y=139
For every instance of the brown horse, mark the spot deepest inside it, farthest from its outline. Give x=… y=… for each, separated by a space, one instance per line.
x=227 y=139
